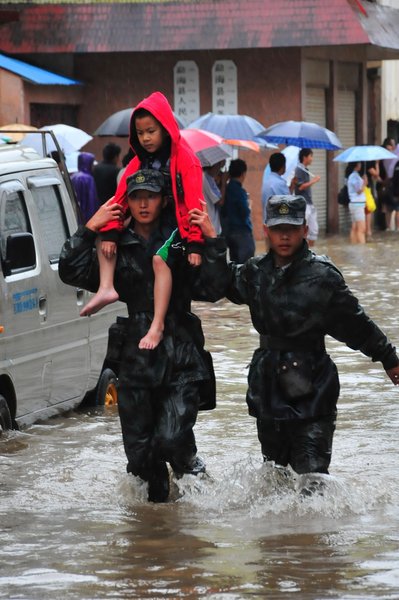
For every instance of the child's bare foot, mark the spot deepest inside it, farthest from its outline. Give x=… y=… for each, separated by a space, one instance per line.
x=101 y=299
x=151 y=340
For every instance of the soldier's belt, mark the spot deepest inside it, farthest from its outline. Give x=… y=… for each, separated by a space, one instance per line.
x=268 y=342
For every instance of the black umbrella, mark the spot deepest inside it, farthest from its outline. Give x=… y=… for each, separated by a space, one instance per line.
x=118 y=124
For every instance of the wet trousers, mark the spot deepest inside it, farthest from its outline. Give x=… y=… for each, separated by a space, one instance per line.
x=157 y=427
x=305 y=445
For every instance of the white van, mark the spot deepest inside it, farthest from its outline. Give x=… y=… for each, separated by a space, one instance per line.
x=50 y=358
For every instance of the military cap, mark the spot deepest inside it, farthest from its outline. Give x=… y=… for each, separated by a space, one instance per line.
x=145 y=179
x=285 y=210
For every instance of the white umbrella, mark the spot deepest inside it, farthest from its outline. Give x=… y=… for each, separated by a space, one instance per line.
x=291 y=156
x=70 y=139
x=364 y=154
x=71 y=162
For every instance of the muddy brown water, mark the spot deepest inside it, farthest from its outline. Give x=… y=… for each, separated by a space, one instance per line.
x=73 y=525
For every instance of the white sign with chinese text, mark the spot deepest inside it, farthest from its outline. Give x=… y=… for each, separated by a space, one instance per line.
x=186 y=91
x=224 y=87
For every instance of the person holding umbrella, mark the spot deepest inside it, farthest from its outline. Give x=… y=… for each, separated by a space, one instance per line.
x=357 y=196
x=213 y=194
x=356 y=157
x=273 y=182
x=384 y=187
x=304 y=180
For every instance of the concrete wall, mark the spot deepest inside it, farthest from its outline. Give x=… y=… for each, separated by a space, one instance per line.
x=12 y=97
x=389 y=85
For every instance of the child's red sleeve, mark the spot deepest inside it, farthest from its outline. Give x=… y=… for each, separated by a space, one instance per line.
x=189 y=199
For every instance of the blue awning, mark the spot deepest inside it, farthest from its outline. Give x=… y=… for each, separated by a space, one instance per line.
x=34 y=74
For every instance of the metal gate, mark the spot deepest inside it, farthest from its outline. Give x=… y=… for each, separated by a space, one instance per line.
x=315 y=112
x=347 y=134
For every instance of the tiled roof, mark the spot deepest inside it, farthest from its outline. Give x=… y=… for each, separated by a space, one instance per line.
x=196 y=25
x=382 y=25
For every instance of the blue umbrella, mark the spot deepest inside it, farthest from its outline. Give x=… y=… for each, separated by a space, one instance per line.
x=301 y=134
x=229 y=127
x=364 y=154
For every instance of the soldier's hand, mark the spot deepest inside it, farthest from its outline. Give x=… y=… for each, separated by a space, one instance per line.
x=201 y=218
x=393 y=375
x=195 y=259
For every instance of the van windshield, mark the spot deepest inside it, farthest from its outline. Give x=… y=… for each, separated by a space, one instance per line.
x=52 y=219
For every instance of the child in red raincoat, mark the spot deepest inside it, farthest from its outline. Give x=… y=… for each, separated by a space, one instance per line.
x=157 y=144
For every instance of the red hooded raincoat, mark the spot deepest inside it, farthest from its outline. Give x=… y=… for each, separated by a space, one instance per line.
x=183 y=161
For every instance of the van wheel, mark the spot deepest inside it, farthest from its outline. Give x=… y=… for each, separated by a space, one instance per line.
x=107 y=394
x=5 y=416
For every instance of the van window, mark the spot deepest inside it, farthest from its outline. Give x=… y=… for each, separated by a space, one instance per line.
x=13 y=217
x=52 y=218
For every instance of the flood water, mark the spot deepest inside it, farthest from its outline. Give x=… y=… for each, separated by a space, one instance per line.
x=73 y=525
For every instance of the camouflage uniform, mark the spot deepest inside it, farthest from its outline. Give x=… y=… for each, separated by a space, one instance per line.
x=293 y=384
x=160 y=391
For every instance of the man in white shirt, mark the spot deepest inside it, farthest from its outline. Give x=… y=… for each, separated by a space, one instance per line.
x=273 y=183
x=303 y=184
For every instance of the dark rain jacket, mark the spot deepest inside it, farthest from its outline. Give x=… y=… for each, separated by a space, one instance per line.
x=291 y=376
x=84 y=186
x=180 y=357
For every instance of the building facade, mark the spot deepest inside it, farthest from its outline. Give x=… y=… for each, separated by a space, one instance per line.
x=273 y=61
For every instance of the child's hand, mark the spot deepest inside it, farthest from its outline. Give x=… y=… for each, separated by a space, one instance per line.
x=195 y=259
x=108 y=249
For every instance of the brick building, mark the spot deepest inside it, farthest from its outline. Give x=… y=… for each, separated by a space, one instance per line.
x=293 y=59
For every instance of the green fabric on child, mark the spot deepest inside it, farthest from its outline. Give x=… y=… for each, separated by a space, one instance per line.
x=164 y=250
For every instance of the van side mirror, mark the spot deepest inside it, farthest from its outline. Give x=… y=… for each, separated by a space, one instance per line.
x=20 y=253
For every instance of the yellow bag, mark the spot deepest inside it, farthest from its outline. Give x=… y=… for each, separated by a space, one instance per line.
x=370 y=202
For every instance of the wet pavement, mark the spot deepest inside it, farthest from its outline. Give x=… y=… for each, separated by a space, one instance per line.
x=73 y=525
